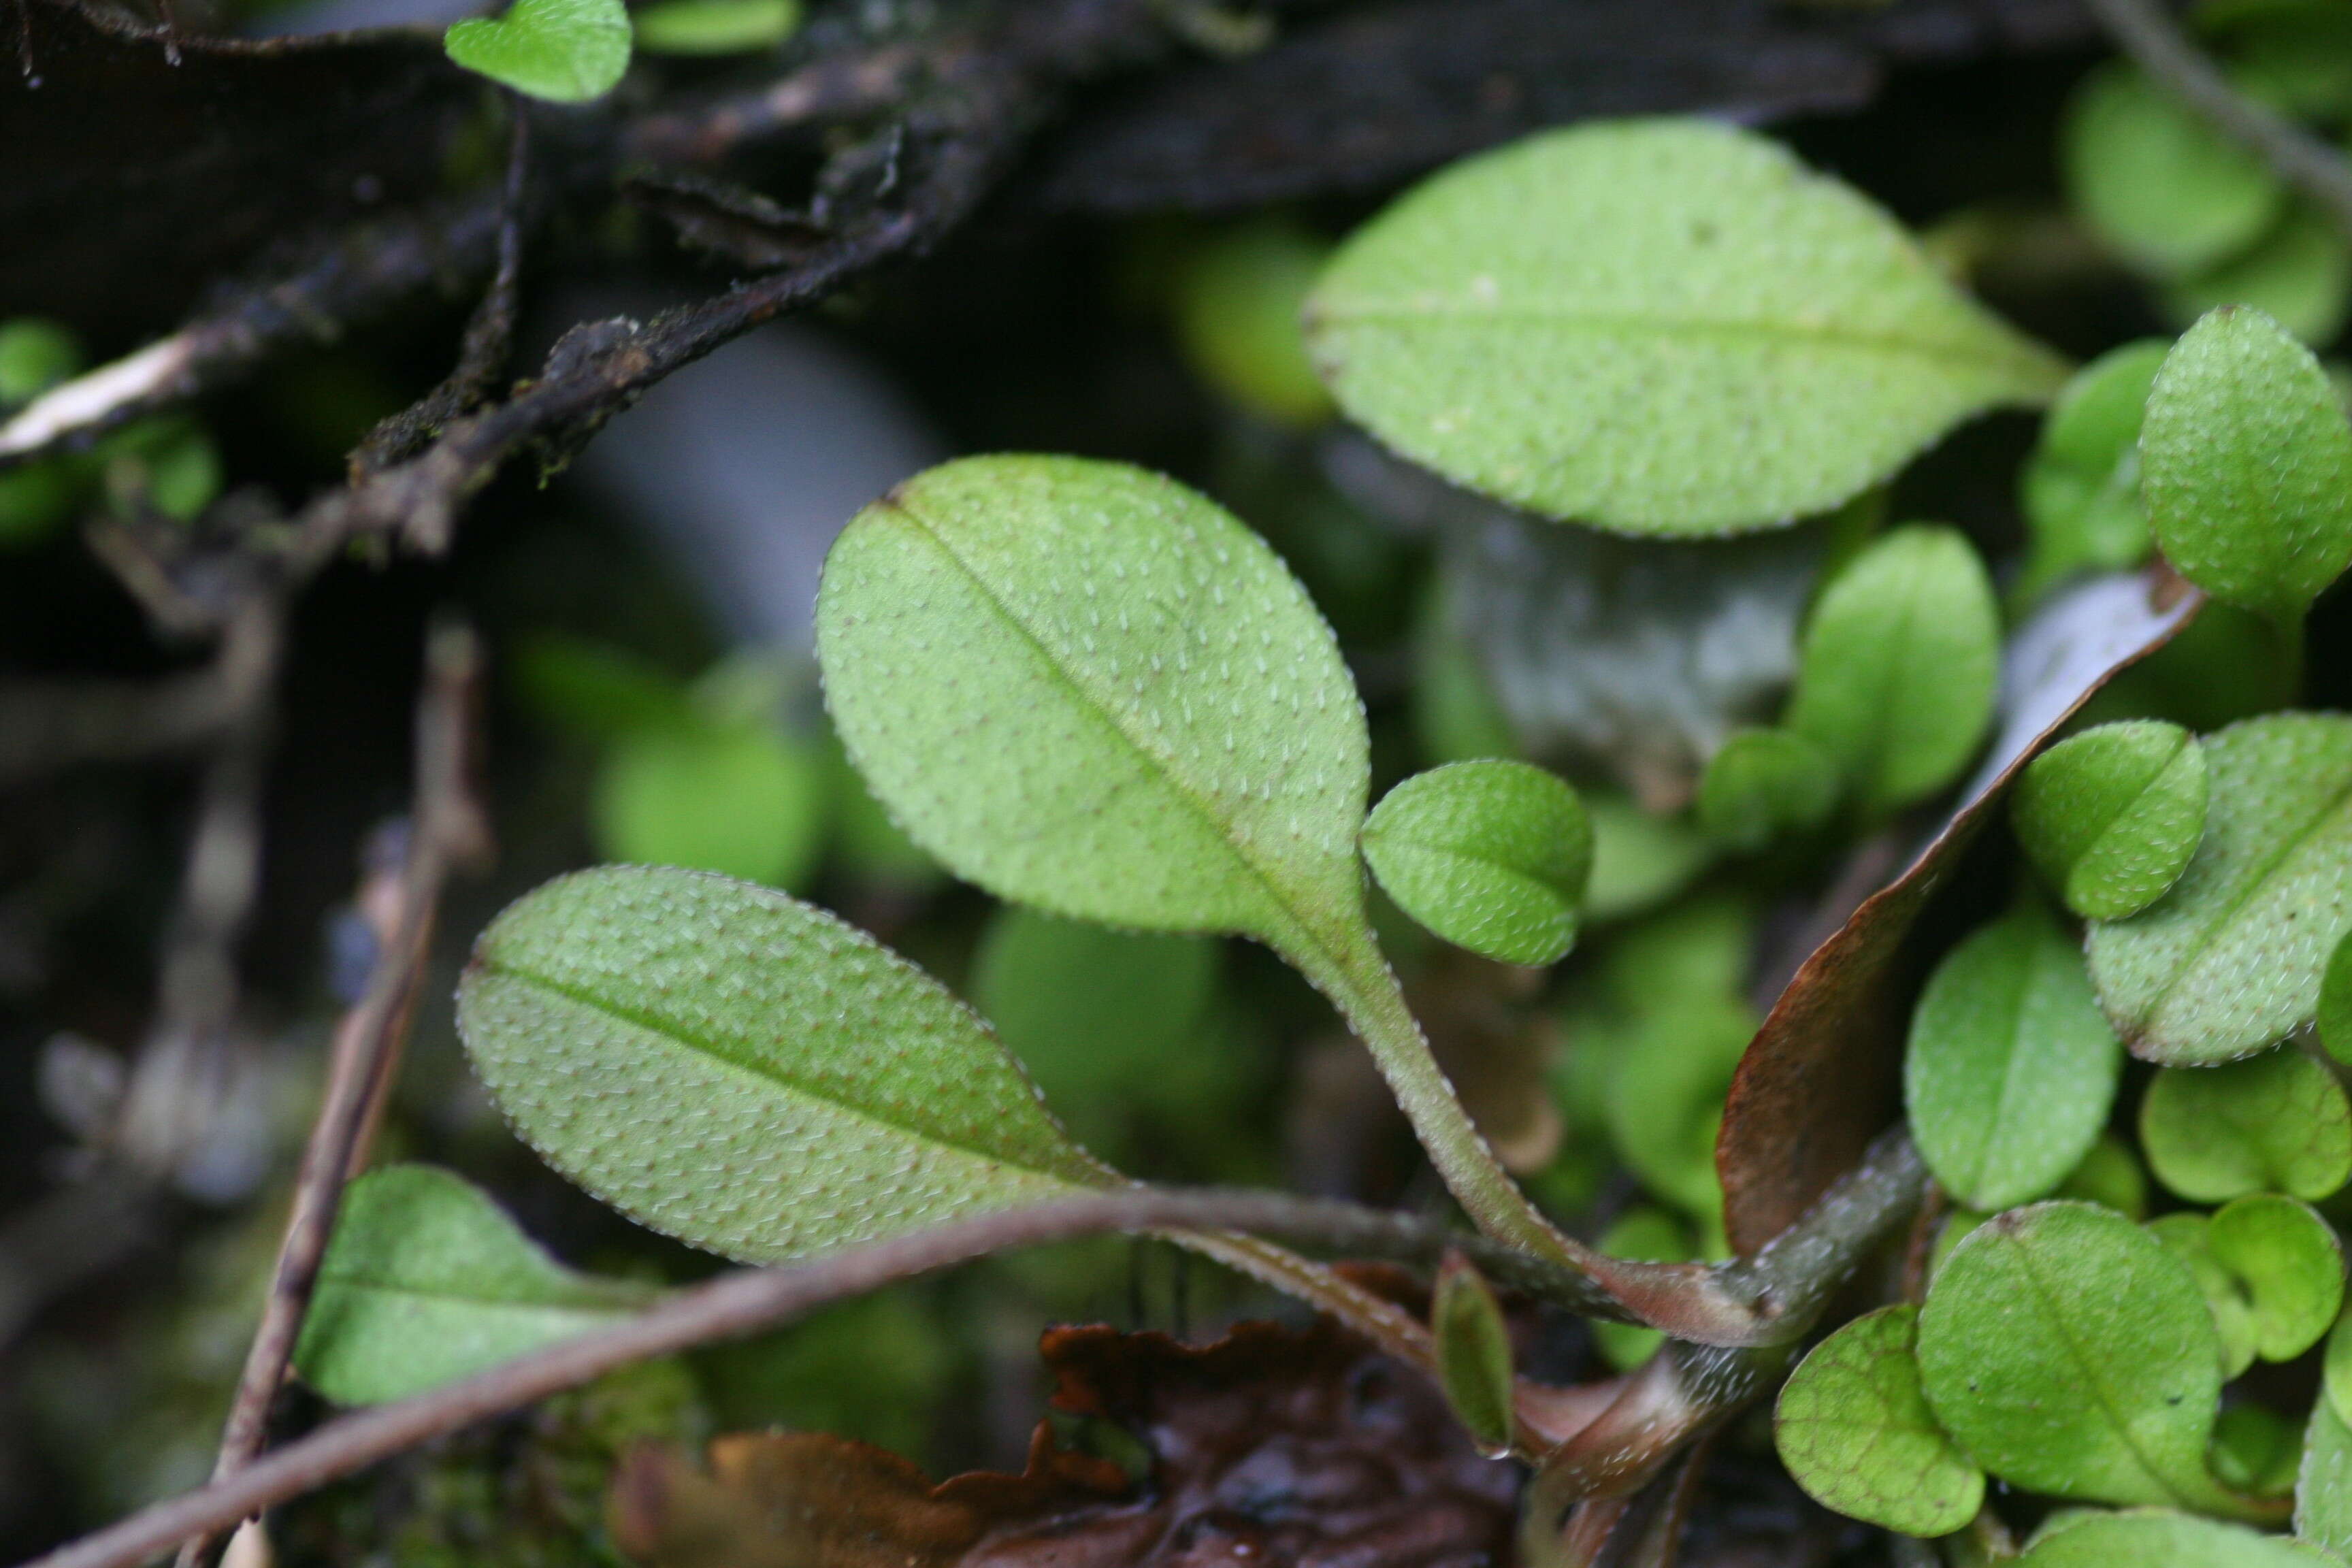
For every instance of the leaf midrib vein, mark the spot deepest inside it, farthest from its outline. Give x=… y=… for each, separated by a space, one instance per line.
x=664 y=1029
x=1161 y=766
x=1679 y=326
x=2253 y=885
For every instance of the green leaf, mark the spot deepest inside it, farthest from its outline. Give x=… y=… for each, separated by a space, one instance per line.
x=2158 y=1538
x=2246 y=464
x=2232 y=959
x=715 y=27
x=2335 y=1010
x=1665 y=1098
x=2337 y=1368
x=2071 y=1352
x=2290 y=1265
x=1656 y=326
x=1855 y=1432
x=2255 y=1451
x=36 y=354
x=1900 y=663
x=735 y=1068
x=426 y=1280
x=2190 y=1237
x=1088 y=689
x=1763 y=784
x=1109 y=1023
x=737 y=799
x=2169 y=191
x=2276 y=1122
x=2109 y=1174
x=566 y=51
x=1474 y=1354
x=2010 y=1070
x=2111 y=815
x=2299 y=275
x=2323 y=1488
x=1492 y=856
x=593 y=690
x=1237 y=319
x=1639 y=860
x=2080 y=490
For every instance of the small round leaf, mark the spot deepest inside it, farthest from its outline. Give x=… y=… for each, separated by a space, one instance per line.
x=2111 y=815
x=2290 y=1264
x=2157 y=183
x=1855 y=1432
x=714 y=26
x=1492 y=856
x=2011 y=1067
x=2275 y=1122
x=566 y=51
x=739 y=799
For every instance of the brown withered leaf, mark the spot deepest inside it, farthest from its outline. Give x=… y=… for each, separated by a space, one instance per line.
x=1818 y=1081
x=144 y=176
x=1270 y=1446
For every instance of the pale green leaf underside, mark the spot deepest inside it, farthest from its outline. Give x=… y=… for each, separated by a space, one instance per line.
x=2071 y=1352
x=1089 y=689
x=567 y=51
x=1855 y=1432
x=738 y=1069
x=2153 y=1536
x=426 y=1280
x=2230 y=959
x=1656 y=326
x=2010 y=1068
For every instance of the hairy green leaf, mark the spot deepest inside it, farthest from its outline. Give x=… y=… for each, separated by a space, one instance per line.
x=1492 y=856
x=744 y=1072
x=1657 y=326
x=2289 y=1265
x=1855 y=1432
x=2275 y=1122
x=2323 y=1487
x=1900 y=663
x=2080 y=490
x=1474 y=1352
x=2071 y=1352
x=426 y=1280
x=566 y=51
x=2170 y=193
x=1761 y=784
x=2111 y=815
x=1089 y=689
x=2010 y=1070
x=2230 y=960
x=2246 y=464
x=2154 y=1537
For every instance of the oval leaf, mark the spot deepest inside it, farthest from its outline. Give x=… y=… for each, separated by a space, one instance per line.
x=715 y=27
x=2168 y=191
x=2232 y=959
x=1492 y=856
x=1763 y=783
x=2010 y=1068
x=735 y=1068
x=2276 y=1122
x=2080 y=490
x=2246 y=464
x=2111 y=815
x=427 y=1280
x=1900 y=663
x=1656 y=326
x=1086 y=688
x=734 y=798
x=1474 y=1352
x=1855 y=1432
x=2154 y=1536
x=2290 y=1265
x=566 y=51
x=2070 y=1352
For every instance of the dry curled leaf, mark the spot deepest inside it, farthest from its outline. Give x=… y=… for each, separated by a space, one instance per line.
x=1818 y=1081
x=1270 y=1446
